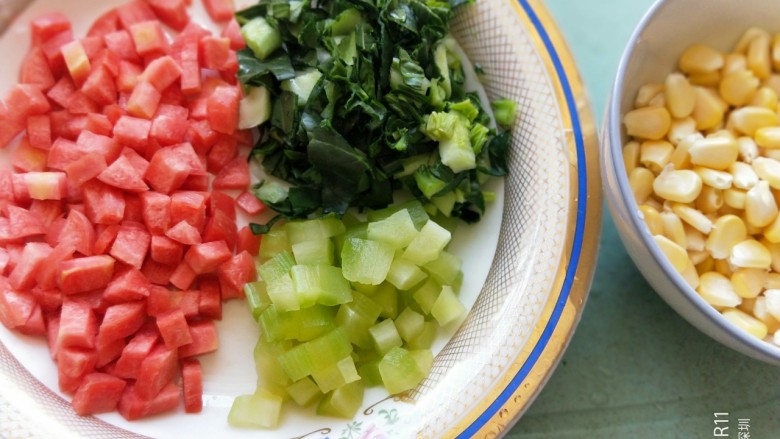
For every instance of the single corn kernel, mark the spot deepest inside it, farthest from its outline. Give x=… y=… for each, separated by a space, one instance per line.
x=694 y=240
x=693 y=217
x=768 y=170
x=733 y=62
x=655 y=154
x=723 y=267
x=650 y=123
x=708 y=111
x=764 y=97
x=710 y=200
x=705 y=266
x=749 y=282
x=697 y=257
x=631 y=156
x=738 y=88
x=759 y=309
x=768 y=137
x=682 y=186
x=747 y=120
x=716 y=152
x=744 y=175
x=758 y=57
x=748 y=150
x=747 y=323
x=734 y=198
x=652 y=218
x=728 y=231
x=752 y=229
x=715 y=179
x=680 y=129
x=673 y=228
x=721 y=133
x=775 y=55
x=690 y=276
x=773 y=303
x=658 y=101
x=717 y=290
x=747 y=37
x=680 y=158
x=646 y=93
x=772 y=231
x=680 y=97
x=750 y=254
x=641 y=181
x=674 y=253
x=699 y=58
x=706 y=79
x=760 y=205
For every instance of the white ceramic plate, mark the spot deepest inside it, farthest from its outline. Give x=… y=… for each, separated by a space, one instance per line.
x=528 y=265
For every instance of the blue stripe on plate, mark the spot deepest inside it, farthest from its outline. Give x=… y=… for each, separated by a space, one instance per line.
x=582 y=182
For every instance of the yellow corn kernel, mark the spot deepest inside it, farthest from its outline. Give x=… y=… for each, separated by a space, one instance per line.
x=748 y=150
x=752 y=229
x=693 y=217
x=738 y=88
x=733 y=62
x=708 y=111
x=747 y=37
x=773 y=302
x=775 y=55
x=761 y=313
x=764 y=97
x=717 y=290
x=646 y=93
x=727 y=231
x=716 y=152
x=772 y=231
x=773 y=82
x=674 y=253
x=772 y=281
x=758 y=57
x=744 y=175
x=631 y=156
x=698 y=257
x=745 y=322
x=680 y=97
x=682 y=186
x=673 y=228
x=694 y=240
x=641 y=181
x=658 y=101
x=655 y=204
x=706 y=79
x=680 y=129
x=734 y=198
x=747 y=305
x=768 y=137
x=655 y=154
x=747 y=120
x=652 y=219
x=768 y=170
x=699 y=58
x=750 y=254
x=650 y=123
x=749 y=282
x=715 y=179
x=690 y=276
x=680 y=158
x=723 y=267
x=760 y=205
x=709 y=200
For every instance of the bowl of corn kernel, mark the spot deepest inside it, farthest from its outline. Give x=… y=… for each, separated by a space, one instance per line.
x=691 y=151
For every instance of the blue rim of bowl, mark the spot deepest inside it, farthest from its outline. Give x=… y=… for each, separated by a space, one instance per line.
x=582 y=204
x=616 y=150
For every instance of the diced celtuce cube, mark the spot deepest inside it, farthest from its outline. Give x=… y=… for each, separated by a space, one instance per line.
x=426 y=295
x=261 y=409
x=410 y=324
x=425 y=338
x=426 y=246
x=399 y=370
x=424 y=359
x=274 y=242
x=343 y=402
x=404 y=274
x=323 y=284
x=447 y=308
x=304 y=392
x=279 y=265
x=397 y=230
x=296 y=362
x=269 y=370
x=299 y=231
x=336 y=375
x=386 y=297
x=385 y=336
x=282 y=293
x=315 y=251
x=256 y=297
x=366 y=261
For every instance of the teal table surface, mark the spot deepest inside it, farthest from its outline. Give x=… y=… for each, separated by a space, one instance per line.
x=634 y=368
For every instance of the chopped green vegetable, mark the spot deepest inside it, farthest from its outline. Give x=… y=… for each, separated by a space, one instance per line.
x=358 y=89
x=505 y=111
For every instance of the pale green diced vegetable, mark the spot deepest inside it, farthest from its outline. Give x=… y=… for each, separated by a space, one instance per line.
x=256 y=297
x=426 y=295
x=425 y=339
x=304 y=392
x=276 y=267
x=320 y=284
x=399 y=370
x=315 y=251
x=410 y=324
x=366 y=261
x=269 y=370
x=336 y=375
x=261 y=409
x=299 y=231
x=426 y=246
x=423 y=358
x=386 y=297
x=385 y=336
x=273 y=242
x=343 y=402
x=398 y=229
x=445 y=268
x=369 y=373
x=447 y=308
x=302 y=84
x=254 y=108
x=296 y=362
x=261 y=37
x=405 y=275
x=282 y=293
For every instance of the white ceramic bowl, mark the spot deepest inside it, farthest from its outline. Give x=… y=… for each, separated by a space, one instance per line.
x=652 y=52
